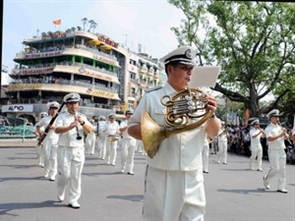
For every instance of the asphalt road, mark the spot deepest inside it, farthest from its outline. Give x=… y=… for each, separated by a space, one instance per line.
x=233 y=192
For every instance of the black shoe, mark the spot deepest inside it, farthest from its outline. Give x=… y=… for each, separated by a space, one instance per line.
x=74 y=205
x=282 y=191
x=129 y=173
x=205 y=171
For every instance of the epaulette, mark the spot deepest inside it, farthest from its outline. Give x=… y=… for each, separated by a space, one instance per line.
x=153 y=89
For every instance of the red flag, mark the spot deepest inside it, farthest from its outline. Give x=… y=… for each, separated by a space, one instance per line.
x=57 y=22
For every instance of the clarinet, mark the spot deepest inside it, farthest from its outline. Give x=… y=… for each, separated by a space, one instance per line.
x=77 y=130
x=40 y=140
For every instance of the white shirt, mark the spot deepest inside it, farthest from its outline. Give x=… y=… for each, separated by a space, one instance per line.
x=274 y=130
x=69 y=138
x=179 y=152
x=44 y=122
x=125 y=132
x=112 y=128
x=255 y=141
x=102 y=127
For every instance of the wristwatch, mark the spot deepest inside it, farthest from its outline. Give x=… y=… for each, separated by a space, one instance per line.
x=82 y=123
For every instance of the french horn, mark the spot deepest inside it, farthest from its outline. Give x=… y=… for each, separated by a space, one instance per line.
x=180 y=108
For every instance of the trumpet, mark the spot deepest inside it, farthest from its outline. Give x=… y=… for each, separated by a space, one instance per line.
x=77 y=130
x=180 y=108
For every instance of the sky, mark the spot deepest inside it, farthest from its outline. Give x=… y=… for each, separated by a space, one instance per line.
x=130 y=22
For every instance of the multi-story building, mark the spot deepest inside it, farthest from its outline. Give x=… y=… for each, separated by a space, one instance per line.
x=108 y=77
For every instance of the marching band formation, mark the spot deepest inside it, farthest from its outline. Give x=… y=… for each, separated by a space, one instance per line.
x=177 y=152
x=65 y=137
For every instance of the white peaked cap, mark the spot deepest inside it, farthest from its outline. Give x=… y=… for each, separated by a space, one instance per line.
x=184 y=55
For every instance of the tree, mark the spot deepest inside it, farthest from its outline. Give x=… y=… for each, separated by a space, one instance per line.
x=84 y=22
x=93 y=25
x=253 y=42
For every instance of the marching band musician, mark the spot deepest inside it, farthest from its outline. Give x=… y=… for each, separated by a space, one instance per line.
x=222 y=144
x=50 y=141
x=206 y=154
x=113 y=131
x=101 y=138
x=275 y=136
x=90 y=140
x=256 y=148
x=174 y=183
x=128 y=145
x=39 y=147
x=70 y=126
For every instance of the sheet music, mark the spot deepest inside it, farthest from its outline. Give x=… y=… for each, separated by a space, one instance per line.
x=204 y=76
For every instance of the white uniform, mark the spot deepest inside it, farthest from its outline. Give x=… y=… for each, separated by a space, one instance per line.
x=222 y=146
x=140 y=147
x=256 y=148
x=39 y=149
x=90 y=142
x=174 y=187
x=276 y=155
x=111 y=154
x=49 y=149
x=206 y=156
x=70 y=157
x=128 y=149
x=101 y=138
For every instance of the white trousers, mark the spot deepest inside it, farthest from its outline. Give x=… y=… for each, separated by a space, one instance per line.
x=40 y=154
x=70 y=161
x=222 y=153
x=256 y=151
x=50 y=158
x=277 y=161
x=206 y=157
x=127 y=154
x=140 y=147
x=101 y=142
x=111 y=153
x=174 y=195
x=90 y=143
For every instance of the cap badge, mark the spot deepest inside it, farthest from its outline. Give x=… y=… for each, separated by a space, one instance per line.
x=188 y=53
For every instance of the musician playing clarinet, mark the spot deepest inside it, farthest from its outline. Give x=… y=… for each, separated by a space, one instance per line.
x=275 y=135
x=50 y=141
x=70 y=126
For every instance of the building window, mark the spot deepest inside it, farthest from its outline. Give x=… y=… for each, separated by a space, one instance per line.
x=132 y=75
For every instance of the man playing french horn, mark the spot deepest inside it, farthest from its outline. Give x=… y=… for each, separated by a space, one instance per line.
x=174 y=188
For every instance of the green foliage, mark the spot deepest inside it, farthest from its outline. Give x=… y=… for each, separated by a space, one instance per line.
x=253 y=42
